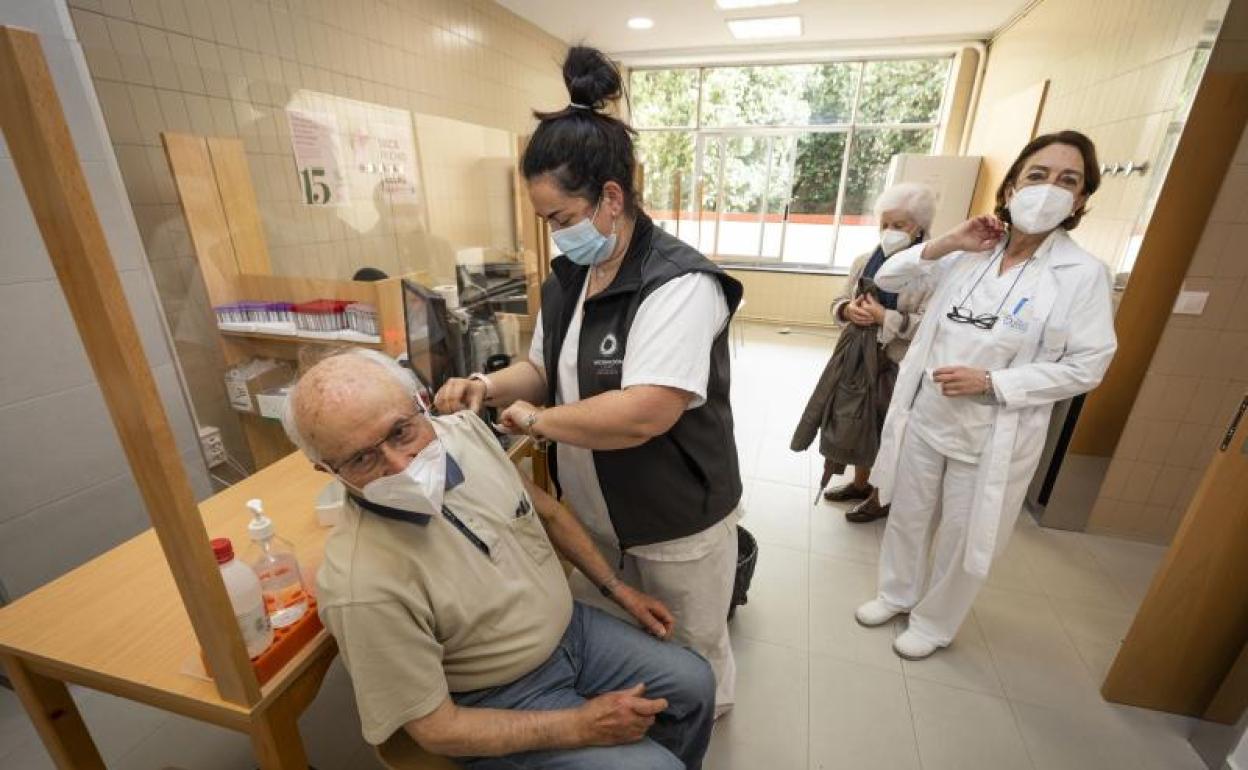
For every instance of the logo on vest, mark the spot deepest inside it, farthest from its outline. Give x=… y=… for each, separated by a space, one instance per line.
x=608 y=362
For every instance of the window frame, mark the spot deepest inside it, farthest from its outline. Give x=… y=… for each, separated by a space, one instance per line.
x=850 y=129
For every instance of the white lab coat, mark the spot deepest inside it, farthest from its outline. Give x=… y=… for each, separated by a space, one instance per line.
x=1068 y=347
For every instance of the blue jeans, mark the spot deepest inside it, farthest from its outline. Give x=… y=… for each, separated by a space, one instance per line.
x=600 y=654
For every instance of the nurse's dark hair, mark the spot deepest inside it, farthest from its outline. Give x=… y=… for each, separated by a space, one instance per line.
x=581 y=146
x=1091 y=171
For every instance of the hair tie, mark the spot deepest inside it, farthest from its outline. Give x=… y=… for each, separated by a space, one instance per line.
x=576 y=106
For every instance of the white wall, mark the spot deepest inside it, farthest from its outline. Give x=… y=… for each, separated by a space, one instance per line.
x=66 y=493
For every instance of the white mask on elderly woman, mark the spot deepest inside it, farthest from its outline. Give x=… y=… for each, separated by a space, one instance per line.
x=893 y=241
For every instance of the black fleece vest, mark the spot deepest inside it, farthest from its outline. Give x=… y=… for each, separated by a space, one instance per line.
x=687 y=479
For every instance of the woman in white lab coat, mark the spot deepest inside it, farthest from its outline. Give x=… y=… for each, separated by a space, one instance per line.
x=1019 y=318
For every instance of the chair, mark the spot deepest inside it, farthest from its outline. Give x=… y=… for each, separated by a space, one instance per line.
x=400 y=752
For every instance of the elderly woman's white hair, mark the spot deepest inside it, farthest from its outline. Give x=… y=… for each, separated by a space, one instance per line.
x=915 y=199
x=391 y=367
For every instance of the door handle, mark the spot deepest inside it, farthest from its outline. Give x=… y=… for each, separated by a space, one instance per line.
x=1234 y=427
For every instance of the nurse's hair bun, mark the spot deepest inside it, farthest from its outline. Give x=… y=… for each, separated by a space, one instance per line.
x=582 y=146
x=593 y=81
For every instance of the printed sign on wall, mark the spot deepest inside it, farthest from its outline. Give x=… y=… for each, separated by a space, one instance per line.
x=386 y=152
x=318 y=159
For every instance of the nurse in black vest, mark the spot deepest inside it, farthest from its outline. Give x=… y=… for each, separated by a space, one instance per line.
x=628 y=373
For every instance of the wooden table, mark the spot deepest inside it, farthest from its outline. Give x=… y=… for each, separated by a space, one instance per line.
x=117 y=624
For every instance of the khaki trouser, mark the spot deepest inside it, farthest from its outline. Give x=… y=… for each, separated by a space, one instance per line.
x=698 y=592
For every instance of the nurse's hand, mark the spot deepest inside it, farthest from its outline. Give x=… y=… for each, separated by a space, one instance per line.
x=515 y=419
x=961 y=381
x=975 y=234
x=459 y=393
x=652 y=614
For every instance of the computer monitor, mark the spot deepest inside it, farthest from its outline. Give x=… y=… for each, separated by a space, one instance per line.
x=431 y=344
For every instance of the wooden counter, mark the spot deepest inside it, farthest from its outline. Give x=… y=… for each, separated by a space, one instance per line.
x=117 y=623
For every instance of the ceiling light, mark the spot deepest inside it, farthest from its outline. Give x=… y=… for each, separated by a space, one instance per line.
x=736 y=5
x=640 y=22
x=768 y=27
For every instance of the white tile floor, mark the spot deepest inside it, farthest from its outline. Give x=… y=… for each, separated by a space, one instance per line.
x=1018 y=688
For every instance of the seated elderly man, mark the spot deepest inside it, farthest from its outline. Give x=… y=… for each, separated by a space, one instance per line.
x=453 y=614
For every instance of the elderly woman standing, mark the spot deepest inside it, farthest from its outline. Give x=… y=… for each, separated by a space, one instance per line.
x=904 y=212
x=1023 y=319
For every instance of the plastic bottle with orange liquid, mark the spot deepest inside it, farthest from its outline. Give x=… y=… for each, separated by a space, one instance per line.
x=273 y=559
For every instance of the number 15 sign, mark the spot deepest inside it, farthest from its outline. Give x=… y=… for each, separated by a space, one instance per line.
x=318 y=159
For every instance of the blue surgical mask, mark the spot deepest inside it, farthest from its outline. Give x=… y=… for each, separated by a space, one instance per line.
x=583 y=243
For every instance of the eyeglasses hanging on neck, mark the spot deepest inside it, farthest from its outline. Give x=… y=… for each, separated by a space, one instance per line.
x=963 y=314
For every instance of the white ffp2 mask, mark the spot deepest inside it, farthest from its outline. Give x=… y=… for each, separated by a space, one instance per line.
x=418 y=488
x=893 y=241
x=1039 y=208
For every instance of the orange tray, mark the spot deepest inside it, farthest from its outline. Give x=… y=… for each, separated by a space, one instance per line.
x=286 y=643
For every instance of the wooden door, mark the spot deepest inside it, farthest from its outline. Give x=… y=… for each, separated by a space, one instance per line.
x=1192 y=626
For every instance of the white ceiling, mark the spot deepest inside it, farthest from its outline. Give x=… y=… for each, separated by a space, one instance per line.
x=685 y=27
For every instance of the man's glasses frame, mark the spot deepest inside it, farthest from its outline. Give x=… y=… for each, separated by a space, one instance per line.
x=366 y=461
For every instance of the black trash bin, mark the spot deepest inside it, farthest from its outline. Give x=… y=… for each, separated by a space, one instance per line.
x=747 y=559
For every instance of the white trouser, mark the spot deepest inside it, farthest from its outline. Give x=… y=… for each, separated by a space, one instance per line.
x=932 y=492
x=698 y=593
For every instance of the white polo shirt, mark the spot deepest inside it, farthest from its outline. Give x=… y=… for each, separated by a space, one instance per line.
x=669 y=344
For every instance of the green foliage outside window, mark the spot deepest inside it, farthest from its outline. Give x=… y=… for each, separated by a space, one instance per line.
x=865 y=104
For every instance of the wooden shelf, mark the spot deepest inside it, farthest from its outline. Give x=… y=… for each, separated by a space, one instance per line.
x=293 y=338
x=240 y=346
x=222 y=217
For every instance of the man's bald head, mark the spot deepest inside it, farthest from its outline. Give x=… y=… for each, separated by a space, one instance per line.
x=335 y=404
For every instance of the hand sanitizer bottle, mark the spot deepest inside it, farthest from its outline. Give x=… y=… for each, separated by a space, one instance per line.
x=273 y=560
x=244 y=591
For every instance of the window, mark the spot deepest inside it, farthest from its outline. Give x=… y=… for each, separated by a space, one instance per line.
x=780 y=164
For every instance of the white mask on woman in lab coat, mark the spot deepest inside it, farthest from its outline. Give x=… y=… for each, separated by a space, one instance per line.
x=1039 y=208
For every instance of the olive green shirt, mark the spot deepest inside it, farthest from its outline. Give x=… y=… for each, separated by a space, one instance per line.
x=420 y=611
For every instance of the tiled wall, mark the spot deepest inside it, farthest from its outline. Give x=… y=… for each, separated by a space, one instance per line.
x=469 y=172
x=1116 y=71
x=1197 y=377
x=66 y=493
x=230 y=68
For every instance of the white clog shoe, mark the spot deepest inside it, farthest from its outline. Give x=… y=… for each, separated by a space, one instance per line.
x=874 y=613
x=911 y=646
